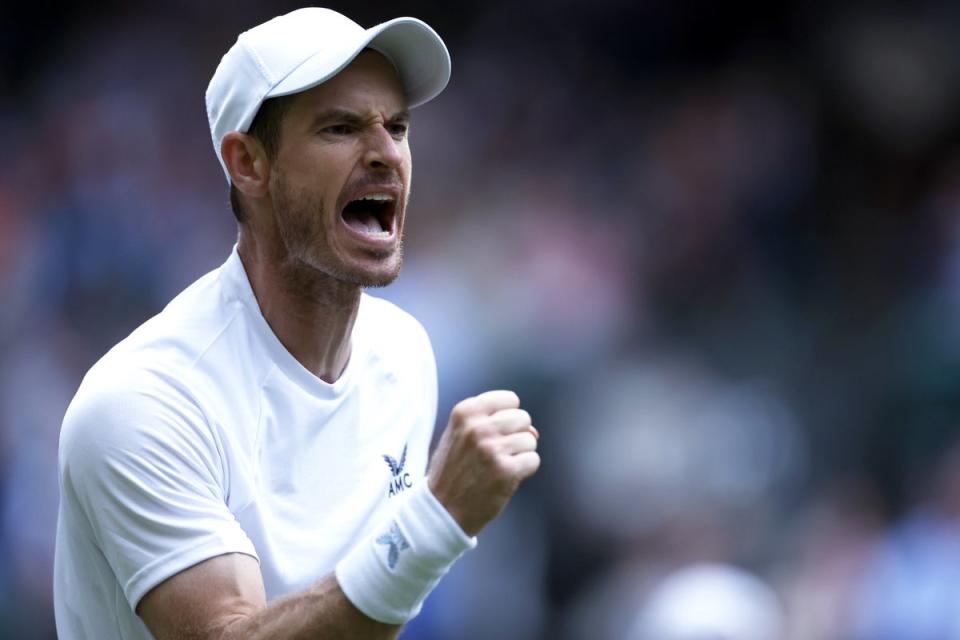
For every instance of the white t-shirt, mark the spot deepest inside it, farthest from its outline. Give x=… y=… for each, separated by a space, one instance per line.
x=200 y=435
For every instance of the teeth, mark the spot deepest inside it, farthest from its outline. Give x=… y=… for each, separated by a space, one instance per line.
x=378 y=197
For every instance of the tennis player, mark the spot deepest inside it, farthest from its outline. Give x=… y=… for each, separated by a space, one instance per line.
x=252 y=462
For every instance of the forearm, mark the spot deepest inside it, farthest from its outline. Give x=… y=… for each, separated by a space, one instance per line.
x=376 y=587
x=489 y=447
x=321 y=611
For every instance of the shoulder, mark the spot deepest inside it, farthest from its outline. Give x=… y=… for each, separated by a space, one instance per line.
x=131 y=436
x=399 y=350
x=387 y=326
x=147 y=393
x=121 y=409
x=185 y=328
x=176 y=358
x=397 y=343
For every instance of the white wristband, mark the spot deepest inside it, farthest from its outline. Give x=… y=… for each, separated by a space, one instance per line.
x=390 y=574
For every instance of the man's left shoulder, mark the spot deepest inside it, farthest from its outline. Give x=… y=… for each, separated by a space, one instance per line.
x=386 y=318
x=388 y=329
x=398 y=348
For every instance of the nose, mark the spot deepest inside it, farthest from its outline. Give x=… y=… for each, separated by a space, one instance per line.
x=383 y=150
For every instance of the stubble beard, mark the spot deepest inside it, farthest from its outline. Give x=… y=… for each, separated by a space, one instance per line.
x=300 y=221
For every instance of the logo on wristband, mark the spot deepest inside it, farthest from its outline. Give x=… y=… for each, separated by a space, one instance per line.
x=397 y=543
x=400 y=480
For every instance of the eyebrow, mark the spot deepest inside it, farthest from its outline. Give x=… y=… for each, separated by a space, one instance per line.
x=352 y=118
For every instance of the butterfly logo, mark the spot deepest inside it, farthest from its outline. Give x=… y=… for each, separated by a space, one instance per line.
x=397 y=543
x=396 y=468
x=401 y=479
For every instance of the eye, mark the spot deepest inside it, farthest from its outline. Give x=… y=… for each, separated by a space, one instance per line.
x=337 y=129
x=398 y=130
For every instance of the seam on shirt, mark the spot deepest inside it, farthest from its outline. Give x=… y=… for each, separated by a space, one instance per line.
x=209 y=546
x=260 y=385
x=259 y=430
x=224 y=474
x=226 y=325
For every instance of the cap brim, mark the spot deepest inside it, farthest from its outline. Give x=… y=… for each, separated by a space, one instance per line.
x=416 y=51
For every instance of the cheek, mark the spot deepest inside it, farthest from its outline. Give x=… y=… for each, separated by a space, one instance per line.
x=319 y=169
x=407 y=159
x=299 y=212
x=407 y=174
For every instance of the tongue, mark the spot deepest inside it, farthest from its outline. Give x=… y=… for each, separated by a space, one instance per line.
x=363 y=221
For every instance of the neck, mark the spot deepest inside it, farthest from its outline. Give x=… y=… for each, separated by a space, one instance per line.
x=311 y=313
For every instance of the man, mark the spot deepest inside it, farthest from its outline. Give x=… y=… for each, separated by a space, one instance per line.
x=250 y=462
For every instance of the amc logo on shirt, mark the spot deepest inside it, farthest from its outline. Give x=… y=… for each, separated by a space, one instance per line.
x=400 y=480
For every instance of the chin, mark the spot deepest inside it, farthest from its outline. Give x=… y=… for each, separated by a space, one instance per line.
x=381 y=276
x=377 y=282
x=367 y=278
x=371 y=271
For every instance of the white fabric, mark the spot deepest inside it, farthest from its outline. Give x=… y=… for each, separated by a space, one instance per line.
x=201 y=435
x=390 y=574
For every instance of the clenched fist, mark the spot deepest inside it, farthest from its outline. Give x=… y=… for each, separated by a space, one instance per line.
x=488 y=448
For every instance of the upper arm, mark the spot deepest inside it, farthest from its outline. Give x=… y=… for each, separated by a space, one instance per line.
x=140 y=464
x=200 y=602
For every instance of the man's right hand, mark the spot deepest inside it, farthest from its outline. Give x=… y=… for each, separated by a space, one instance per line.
x=488 y=448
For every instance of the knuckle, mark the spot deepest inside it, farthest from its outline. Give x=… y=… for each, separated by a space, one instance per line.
x=488 y=449
x=503 y=467
x=531 y=441
x=476 y=421
x=475 y=432
x=462 y=411
x=535 y=462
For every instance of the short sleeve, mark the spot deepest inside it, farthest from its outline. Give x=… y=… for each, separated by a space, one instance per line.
x=139 y=461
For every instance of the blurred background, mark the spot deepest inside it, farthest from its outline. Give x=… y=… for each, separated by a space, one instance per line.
x=714 y=246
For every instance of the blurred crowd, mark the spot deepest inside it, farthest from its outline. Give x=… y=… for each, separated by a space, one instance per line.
x=715 y=247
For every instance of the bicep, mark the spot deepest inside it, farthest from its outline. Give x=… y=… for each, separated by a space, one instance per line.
x=142 y=469
x=201 y=601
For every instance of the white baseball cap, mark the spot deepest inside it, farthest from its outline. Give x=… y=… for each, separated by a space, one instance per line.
x=294 y=52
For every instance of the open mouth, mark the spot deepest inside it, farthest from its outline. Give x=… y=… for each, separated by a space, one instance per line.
x=372 y=215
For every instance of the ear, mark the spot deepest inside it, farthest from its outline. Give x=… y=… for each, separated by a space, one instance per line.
x=247 y=163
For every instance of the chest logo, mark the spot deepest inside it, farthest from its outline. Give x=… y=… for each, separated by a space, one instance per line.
x=400 y=479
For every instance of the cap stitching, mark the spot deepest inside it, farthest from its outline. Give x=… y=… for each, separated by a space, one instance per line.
x=299 y=64
x=264 y=71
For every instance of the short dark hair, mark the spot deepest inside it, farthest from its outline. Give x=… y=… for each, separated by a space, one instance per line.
x=266 y=128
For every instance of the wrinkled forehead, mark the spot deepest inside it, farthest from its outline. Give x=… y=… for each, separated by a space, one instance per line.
x=370 y=83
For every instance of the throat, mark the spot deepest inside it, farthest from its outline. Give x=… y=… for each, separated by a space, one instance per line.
x=317 y=334
x=311 y=313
